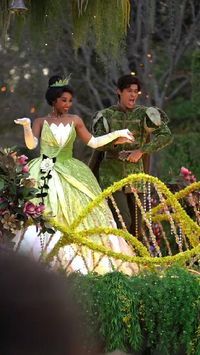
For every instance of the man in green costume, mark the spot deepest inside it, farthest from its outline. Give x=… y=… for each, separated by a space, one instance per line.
x=149 y=127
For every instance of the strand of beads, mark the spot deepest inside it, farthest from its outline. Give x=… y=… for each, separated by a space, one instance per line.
x=119 y=216
x=144 y=195
x=185 y=240
x=152 y=236
x=136 y=221
x=171 y=221
x=180 y=235
x=194 y=206
x=146 y=241
x=149 y=201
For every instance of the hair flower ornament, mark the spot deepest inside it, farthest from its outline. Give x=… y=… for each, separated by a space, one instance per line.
x=61 y=83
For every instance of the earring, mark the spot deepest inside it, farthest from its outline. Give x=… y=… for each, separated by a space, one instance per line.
x=53 y=111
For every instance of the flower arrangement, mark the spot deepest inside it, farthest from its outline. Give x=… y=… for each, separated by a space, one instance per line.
x=17 y=190
x=187 y=175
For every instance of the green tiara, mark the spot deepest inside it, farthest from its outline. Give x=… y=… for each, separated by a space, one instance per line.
x=61 y=82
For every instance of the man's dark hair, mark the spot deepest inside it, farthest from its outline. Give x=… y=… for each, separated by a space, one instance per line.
x=126 y=81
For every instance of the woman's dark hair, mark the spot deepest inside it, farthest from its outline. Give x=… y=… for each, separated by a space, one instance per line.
x=54 y=93
x=126 y=81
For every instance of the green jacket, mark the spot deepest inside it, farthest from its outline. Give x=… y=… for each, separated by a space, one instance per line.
x=151 y=134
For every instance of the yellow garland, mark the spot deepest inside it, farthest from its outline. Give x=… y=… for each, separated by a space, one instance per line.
x=71 y=235
x=180 y=194
x=79 y=238
x=189 y=227
x=165 y=217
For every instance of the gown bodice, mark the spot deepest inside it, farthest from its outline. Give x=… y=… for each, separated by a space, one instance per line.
x=57 y=140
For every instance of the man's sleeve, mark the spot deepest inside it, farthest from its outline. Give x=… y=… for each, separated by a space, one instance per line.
x=160 y=134
x=101 y=126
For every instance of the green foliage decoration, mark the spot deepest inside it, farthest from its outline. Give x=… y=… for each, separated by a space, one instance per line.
x=107 y=20
x=196 y=81
x=116 y=306
x=111 y=310
x=183 y=116
x=4 y=18
x=41 y=15
x=170 y=309
x=184 y=151
x=156 y=312
x=86 y=293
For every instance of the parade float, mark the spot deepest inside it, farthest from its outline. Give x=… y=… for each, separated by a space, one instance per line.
x=156 y=309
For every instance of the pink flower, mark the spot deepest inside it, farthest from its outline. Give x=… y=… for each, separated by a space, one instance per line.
x=25 y=169
x=39 y=209
x=185 y=171
x=2 y=209
x=192 y=178
x=187 y=175
x=29 y=208
x=187 y=178
x=2 y=199
x=33 y=210
x=22 y=159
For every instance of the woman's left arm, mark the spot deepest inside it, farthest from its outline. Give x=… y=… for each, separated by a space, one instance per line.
x=96 y=142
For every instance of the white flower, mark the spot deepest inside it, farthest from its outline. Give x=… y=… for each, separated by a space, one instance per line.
x=47 y=165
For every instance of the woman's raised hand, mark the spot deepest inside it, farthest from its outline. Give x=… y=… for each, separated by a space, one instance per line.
x=126 y=138
x=25 y=121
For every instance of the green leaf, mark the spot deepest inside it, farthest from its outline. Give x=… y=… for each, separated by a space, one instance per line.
x=2 y=184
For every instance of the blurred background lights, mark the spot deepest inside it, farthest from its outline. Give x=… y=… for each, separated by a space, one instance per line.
x=45 y=71
x=32 y=109
x=12 y=71
x=27 y=76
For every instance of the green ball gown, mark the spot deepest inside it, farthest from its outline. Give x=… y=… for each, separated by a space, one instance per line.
x=71 y=187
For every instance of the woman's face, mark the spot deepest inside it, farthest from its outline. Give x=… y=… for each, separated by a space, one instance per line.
x=63 y=103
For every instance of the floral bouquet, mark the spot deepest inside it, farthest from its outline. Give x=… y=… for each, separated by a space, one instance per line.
x=17 y=190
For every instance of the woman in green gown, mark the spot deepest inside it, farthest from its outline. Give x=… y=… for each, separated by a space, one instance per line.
x=71 y=184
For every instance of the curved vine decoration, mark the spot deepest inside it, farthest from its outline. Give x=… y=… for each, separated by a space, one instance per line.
x=81 y=238
x=181 y=194
x=189 y=227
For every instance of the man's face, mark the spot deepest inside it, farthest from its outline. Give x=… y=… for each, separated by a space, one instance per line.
x=128 y=96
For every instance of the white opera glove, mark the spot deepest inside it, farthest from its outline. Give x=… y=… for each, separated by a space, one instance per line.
x=96 y=142
x=30 y=140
